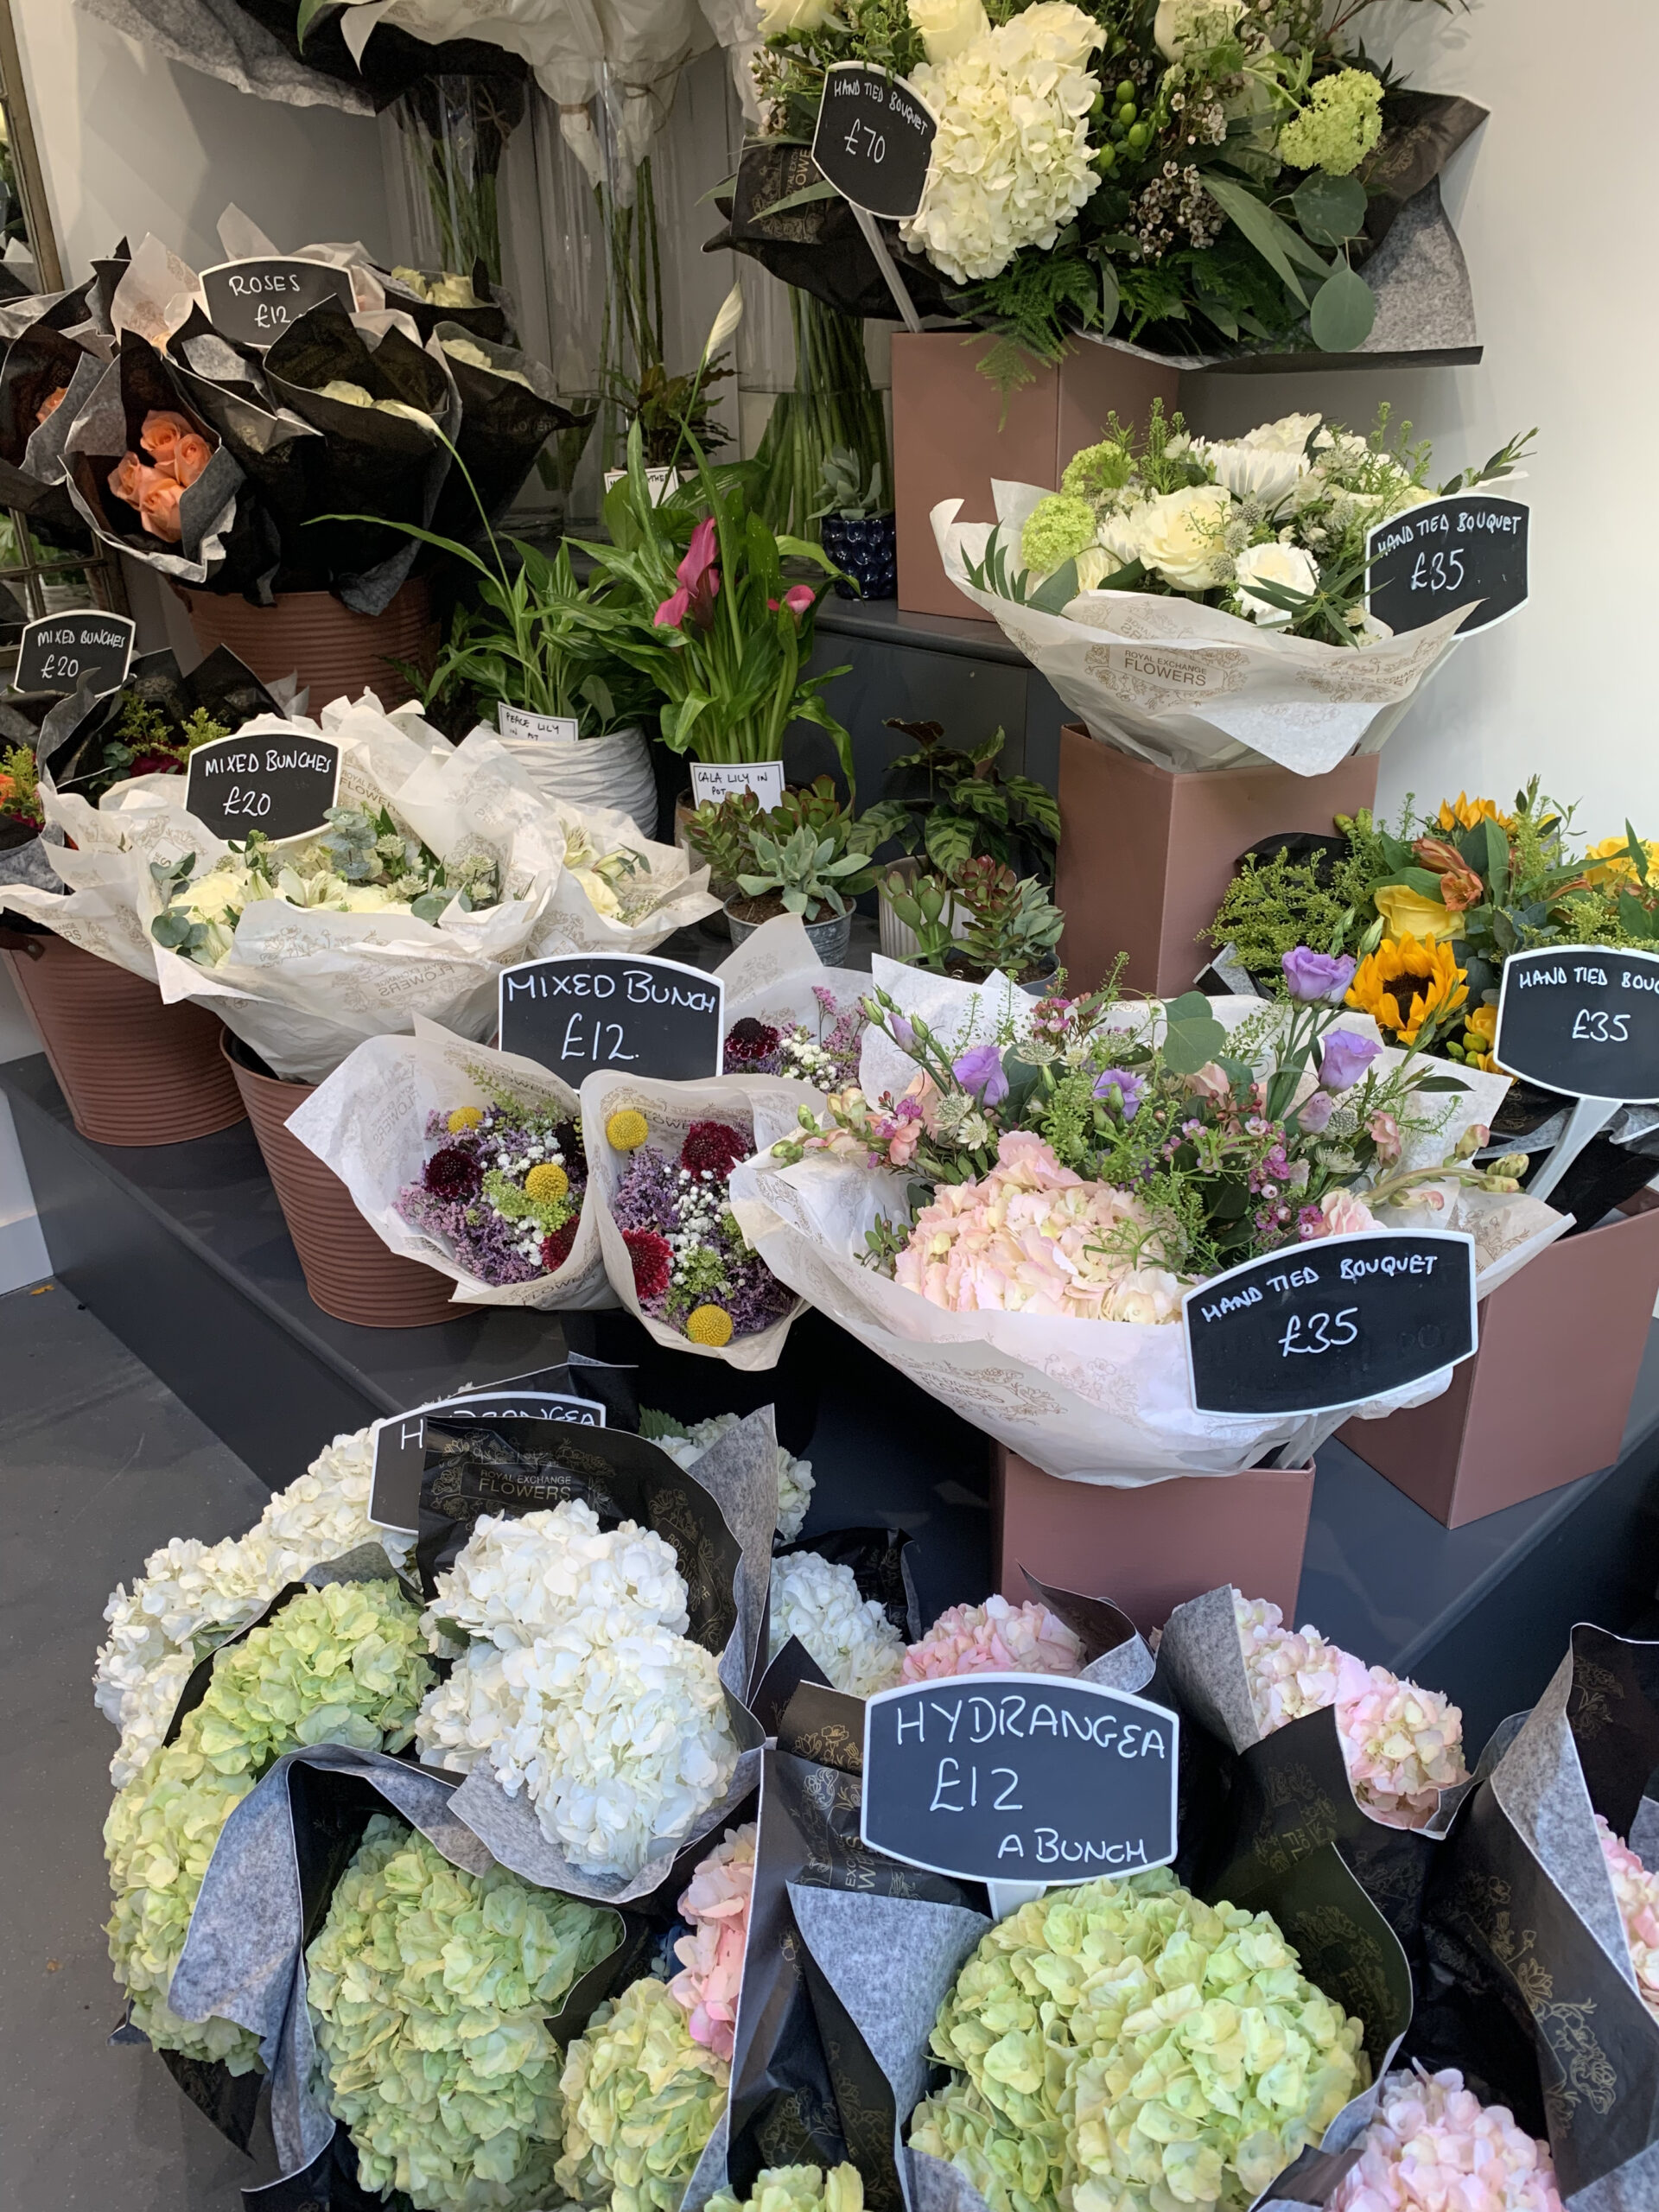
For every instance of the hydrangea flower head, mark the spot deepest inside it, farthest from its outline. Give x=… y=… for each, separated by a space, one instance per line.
x=797 y=2188
x=1433 y=2146
x=848 y=1636
x=993 y=1637
x=1637 y=1893
x=641 y=2098
x=1057 y=529
x=716 y=1906
x=795 y=1482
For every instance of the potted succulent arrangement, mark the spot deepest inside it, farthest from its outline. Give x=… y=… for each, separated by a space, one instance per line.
x=857 y=527
x=809 y=855
x=979 y=919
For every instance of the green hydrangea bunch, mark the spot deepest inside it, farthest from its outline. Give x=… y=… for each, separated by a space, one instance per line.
x=1129 y=2049
x=342 y=1664
x=429 y=1989
x=797 y=2188
x=640 y=2101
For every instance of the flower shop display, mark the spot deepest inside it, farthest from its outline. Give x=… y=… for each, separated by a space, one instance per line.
x=715 y=1906
x=686 y=1446
x=1033 y=1177
x=1115 y=2094
x=1432 y=2142
x=465 y=1159
x=1638 y=1894
x=995 y=1638
x=642 y=2097
x=430 y=1991
x=846 y=1635
x=342 y=1664
x=661 y=1157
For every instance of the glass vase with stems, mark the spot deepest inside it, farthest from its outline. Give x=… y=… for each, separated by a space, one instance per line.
x=833 y=403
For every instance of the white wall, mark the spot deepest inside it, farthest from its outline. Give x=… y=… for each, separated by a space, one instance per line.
x=131 y=143
x=1551 y=212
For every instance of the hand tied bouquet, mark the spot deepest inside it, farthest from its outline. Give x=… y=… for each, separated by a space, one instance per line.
x=172 y=454
x=502 y=1185
x=686 y=1446
x=848 y=1636
x=829 y=1061
x=1121 y=2047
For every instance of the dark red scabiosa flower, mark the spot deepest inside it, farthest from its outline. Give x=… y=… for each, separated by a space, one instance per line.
x=651 y=1259
x=556 y=1248
x=454 y=1174
x=748 y=1042
x=713 y=1148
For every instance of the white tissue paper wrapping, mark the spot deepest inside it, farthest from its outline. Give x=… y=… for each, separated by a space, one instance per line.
x=303 y=986
x=368 y=1123
x=771 y=976
x=1098 y=1402
x=1188 y=687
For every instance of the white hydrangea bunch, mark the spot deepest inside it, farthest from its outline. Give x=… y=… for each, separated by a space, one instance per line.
x=1010 y=165
x=580 y=1687
x=848 y=1636
x=794 y=1476
x=192 y=1596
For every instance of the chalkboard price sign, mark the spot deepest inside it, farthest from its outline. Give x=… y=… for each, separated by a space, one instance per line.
x=1331 y=1322
x=874 y=140
x=1020 y=1779
x=62 y=652
x=1447 y=554
x=400 y=1443
x=279 y=782
x=1583 y=1019
x=252 y=302
x=586 y=1011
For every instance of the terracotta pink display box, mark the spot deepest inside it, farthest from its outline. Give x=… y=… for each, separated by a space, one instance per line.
x=1546 y=1398
x=953 y=431
x=1146 y=855
x=1151 y=1549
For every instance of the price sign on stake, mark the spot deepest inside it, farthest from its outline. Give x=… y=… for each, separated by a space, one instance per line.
x=589 y=1011
x=1022 y=1780
x=1583 y=1019
x=252 y=302
x=61 y=652
x=874 y=140
x=399 y=1444
x=1450 y=553
x=280 y=783
x=1331 y=1322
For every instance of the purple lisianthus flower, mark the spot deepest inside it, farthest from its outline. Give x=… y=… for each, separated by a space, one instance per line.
x=1345 y=1059
x=1315 y=976
x=979 y=1071
x=1314 y=1114
x=901 y=1033
x=1128 y=1089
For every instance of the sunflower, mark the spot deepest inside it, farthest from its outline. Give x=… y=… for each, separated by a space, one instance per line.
x=1463 y=813
x=1406 y=984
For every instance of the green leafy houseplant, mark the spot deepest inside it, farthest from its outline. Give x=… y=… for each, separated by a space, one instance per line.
x=954 y=805
x=1012 y=925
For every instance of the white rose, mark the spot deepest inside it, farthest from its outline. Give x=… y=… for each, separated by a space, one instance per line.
x=1290 y=434
x=1181 y=534
x=947 y=27
x=1272 y=563
x=1179 y=22
x=778 y=16
x=1263 y=473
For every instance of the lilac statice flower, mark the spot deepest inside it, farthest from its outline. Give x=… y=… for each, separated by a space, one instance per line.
x=979 y=1071
x=648 y=1195
x=1346 y=1055
x=1316 y=977
x=1129 y=1090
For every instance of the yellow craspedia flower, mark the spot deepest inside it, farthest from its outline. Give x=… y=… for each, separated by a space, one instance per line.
x=1406 y=983
x=1463 y=813
x=1609 y=861
x=628 y=1129
x=547 y=1179
x=464 y=1118
x=709 y=1324
x=1409 y=913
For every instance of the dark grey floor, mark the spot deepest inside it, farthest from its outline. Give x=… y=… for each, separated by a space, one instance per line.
x=99 y=1463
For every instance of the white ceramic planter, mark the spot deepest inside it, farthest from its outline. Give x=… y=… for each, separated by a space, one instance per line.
x=614 y=770
x=898 y=938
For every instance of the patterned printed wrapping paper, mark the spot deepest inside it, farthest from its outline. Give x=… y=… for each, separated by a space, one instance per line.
x=1529 y=1987
x=1186 y=686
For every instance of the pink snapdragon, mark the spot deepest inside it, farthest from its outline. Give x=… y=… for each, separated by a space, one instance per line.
x=1638 y=1894
x=995 y=1638
x=1434 y=2148
x=699 y=576
x=717 y=1903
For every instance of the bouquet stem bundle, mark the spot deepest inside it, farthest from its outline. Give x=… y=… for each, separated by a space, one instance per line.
x=832 y=403
x=454 y=131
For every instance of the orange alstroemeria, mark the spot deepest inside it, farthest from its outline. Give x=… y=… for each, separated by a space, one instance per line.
x=1460 y=887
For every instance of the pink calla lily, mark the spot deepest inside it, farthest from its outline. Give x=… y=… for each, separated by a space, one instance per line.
x=699 y=582
x=798 y=599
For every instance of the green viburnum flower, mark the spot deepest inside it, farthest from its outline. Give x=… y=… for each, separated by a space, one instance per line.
x=1096 y=470
x=342 y=1664
x=429 y=1989
x=1338 y=127
x=799 y=2189
x=640 y=2101
x=1058 y=529
x=1133 y=2049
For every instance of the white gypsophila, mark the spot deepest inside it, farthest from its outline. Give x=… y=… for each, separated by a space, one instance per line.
x=1010 y=164
x=621 y=1740
x=848 y=1636
x=519 y=1579
x=192 y=1596
x=1272 y=563
x=794 y=1476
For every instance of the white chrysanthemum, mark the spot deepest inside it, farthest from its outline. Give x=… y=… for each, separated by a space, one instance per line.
x=192 y=1596
x=1010 y=164
x=794 y=1476
x=848 y=1636
x=517 y=1580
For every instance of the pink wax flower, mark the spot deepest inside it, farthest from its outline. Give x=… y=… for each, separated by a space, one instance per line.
x=1637 y=1893
x=1434 y=2148
x=717 y=1903
x=993 y=1637
x=699 y=578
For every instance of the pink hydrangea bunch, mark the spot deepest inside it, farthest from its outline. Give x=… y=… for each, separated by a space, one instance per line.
x=1032 y=1236
x=1402 y=1745
x=717 y=1903
x=993 y=1637
x=1434 y=2148
x=1637 y=1892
